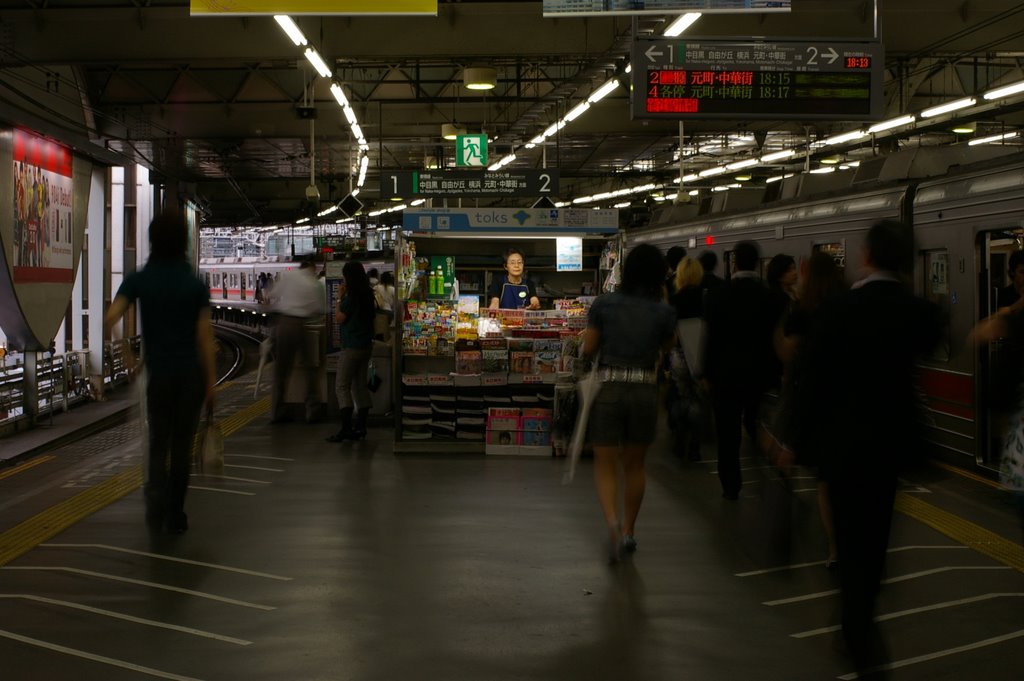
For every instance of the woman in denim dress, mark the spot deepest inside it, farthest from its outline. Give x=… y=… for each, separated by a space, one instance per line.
x=627 y=331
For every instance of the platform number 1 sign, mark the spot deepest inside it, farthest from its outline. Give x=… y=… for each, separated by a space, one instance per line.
x=471 y=150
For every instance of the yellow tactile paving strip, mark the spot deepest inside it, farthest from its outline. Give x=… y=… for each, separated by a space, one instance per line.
x=51 y=522
x=31 y=463
x=967 y=533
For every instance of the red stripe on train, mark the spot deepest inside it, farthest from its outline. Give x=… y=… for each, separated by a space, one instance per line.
x=948 y=393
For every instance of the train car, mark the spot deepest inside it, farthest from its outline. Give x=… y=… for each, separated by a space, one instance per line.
x=234 y=279
x=966 y=221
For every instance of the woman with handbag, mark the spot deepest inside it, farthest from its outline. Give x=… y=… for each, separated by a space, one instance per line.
x=627 y=330
x=355 y=314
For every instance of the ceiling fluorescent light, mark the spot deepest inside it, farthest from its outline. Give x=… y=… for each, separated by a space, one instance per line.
x=418 y=202
x=621 y=205
x=774 y=179
x=712 y=171
x=691 y=178
x=530 y=145
x=577 y=111
x=891 y=123
x=302 y=221
x=694 y=192
x=823 y=170
x=539 y=139
x=746 y=163
x=350 y=115
x=357 y=131
x=949 y=106
x=846 y=137
x=720 y=188
x=339 y=95
x=286 y=23
x=681 y=24
x=993 y=138
x=777 y=156
x=327 y=211
x=1006 y=91
x=603 y=91
x=318 y=63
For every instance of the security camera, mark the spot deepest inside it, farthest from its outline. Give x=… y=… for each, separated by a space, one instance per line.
x=312 y=193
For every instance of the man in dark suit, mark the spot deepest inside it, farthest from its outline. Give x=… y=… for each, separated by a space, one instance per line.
x=860 y=416
x=738 y=360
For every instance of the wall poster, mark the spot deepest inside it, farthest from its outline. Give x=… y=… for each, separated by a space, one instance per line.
x=43 y=190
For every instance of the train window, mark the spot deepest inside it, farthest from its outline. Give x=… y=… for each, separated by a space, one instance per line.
x=936 y=289
x=836 y=249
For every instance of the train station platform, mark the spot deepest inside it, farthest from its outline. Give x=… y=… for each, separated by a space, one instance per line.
x=308 y=560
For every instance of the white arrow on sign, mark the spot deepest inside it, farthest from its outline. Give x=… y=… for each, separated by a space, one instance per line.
x=651 y=53
x=832 y=55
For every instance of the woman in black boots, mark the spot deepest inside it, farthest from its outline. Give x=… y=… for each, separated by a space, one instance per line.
x=355 y=315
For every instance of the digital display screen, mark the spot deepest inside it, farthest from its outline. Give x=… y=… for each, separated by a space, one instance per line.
x=737 y=92
x=858 y=62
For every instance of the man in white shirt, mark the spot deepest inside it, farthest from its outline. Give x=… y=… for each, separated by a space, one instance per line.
x=297 y=299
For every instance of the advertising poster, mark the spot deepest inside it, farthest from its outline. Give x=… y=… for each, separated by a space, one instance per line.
x=43 y=189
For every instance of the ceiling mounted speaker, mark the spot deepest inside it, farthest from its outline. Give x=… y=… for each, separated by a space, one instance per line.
x=479 y=78
x=450 y=131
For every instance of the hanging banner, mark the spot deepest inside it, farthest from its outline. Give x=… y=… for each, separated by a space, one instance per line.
x=42 y=211
x=319 y=7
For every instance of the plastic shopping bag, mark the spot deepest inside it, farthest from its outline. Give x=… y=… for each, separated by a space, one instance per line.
x=210 y=453
x=587 y=389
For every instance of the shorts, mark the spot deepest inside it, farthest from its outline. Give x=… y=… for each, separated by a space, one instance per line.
x=624 y=414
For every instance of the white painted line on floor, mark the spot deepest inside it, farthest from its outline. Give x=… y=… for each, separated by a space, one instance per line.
x=936 y=571
x=913 y=611
x=174 y=559
x=796 y=566
x=781 y=568
x=254 y=468
x=130 y=618
x=223 y=491
x=95 y=658
x=257 y=456
x=893 y=580
x=228 y=477
x=152 y=585
x=950 y=547
x=798 y=599
x=942 y=653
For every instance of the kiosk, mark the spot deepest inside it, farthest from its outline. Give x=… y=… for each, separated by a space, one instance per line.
x=469 y=379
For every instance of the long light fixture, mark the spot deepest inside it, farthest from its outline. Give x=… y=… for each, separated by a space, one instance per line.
x=949 y=106
x=711 y=172
x=603 y=91
x=845 y=137
x=745 y=163
x=1005 y=91
x=992 y=139
x=577 y=111
x=891 y=123
x=681 y=24
x=286 y=23
x=502 y=163
x=314 y=58
x=777 y=155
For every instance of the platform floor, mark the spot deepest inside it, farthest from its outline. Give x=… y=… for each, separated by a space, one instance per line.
x=309 y=561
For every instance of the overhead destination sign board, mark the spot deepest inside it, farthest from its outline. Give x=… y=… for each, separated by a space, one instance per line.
x=322 y=7
x=697 y=78
x=429 y=184
x=512 y=220
x=582 y=8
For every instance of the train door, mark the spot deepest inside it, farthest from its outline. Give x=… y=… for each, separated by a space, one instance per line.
x=995 y=286
x=243 y=278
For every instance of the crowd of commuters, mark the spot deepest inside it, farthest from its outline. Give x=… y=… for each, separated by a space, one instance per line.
x=725 y=343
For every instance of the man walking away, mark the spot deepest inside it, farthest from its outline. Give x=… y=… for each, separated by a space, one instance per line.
x=298 y=299
x=738 y=360
x=858 y=408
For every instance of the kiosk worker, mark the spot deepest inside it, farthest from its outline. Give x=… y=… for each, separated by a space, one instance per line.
x=512 y=290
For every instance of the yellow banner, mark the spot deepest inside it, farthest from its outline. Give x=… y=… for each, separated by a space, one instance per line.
x=218 y=7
